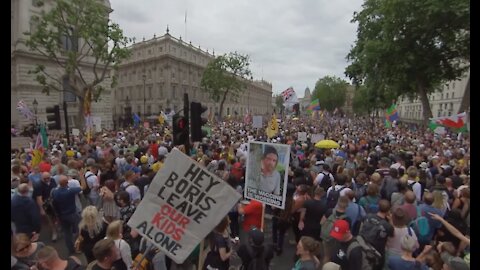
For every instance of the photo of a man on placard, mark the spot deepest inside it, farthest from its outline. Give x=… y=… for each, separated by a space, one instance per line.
x=269 y=177
x=266 y=173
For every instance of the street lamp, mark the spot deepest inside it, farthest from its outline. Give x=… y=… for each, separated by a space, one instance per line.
x=35 y=107
x=144 y=97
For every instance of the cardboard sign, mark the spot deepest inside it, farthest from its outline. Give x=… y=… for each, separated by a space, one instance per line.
x=302 y=136
x=182 y=205
x=257 y=121
x=75 y=132
x=267 y=173
x=317 y=137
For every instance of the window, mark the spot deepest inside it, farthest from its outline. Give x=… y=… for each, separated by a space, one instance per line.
x=453 y=94
x=173 y=91
x=450 y=113
x=446 y=96
x=160 y=49
x=149 y=109
x=160 y=91
x=37 y=3
x=441 y=97
x=173 y=75
x=139 y=110
x=451 y=106
x=149 y=52
x=34 y=21
x=150 y=92
x=69 y=40
x=68 y=94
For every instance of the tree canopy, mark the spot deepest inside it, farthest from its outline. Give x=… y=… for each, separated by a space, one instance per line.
x=410 y=47
x=78 y=37
x=226 y=76
x=331 y=92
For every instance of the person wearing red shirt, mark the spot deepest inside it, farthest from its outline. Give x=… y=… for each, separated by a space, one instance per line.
x=154 y=149
x=252 y=217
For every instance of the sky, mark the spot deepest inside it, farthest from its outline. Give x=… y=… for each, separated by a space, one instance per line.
x=291 y=43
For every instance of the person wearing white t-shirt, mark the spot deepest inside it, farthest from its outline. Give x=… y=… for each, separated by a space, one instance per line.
x=114 y=232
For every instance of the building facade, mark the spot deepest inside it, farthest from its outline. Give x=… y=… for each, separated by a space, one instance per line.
x=442 y=103
x=24 y=14
x=162 y=69
x=305 y=101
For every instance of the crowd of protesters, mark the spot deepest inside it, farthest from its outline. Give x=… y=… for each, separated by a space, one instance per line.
x=387 y=198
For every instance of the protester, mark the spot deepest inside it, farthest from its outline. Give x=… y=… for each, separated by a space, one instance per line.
x=92 y=229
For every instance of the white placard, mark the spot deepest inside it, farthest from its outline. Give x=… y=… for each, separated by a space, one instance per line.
x=317 y=137
x=267 y=173
x=182 y=205
x=302 y=136
x=97 y=121
x=75 y=132
x=257 y=121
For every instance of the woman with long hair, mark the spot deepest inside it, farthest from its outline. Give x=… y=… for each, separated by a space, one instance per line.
x=114 y=232
x=110 y=209
x=307 y=248
x=220 y=251
x=92 y=229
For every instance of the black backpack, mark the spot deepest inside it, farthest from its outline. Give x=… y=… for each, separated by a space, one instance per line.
x=333 y=196
x=257 y=262
x=326 y=181
x=372 y=229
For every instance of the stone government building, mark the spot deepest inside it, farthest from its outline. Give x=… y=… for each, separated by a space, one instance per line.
x=162 y=69
x=25 y=87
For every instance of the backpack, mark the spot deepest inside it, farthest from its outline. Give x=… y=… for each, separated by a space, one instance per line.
x=124 y=187
x=371 y=258
x=371 y=229
x=257 y=262
x=372 y=206
x=326 y=181
x=421 y=227
x=333 y=196
x=360 y=191
x=328 y=225
x=410 y=186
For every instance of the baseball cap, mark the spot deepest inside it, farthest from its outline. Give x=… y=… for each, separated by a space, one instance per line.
x=320 y=162
x=456 y=263
x=339 y=229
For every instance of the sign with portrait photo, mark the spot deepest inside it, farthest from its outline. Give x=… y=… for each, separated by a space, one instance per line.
x=267 y=173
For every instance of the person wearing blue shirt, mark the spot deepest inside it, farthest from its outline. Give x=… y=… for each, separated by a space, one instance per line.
x=35 y=176
x=25 y=213
x=64 y=203
x=426 y=208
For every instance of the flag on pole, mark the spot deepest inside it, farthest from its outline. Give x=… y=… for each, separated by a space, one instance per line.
x=314 y=106
x=24 y=110
x=136 y=120
x=289 y=97
x=455 y=122
x=391 y=115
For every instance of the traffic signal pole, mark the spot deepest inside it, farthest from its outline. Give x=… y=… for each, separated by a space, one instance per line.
x=186 y=114
x=67 y=130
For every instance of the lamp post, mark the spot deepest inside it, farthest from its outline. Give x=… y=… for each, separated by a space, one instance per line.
x=35 y=107
x=144 y=97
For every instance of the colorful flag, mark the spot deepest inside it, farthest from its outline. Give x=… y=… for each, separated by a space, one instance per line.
x=456 y=122
x=314 y=106
x=289 y=97
x=136 y=120
x=161 y=118
x=391 y=115
x=24 y=110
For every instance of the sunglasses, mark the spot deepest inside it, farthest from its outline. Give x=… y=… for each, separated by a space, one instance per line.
x=24 y=248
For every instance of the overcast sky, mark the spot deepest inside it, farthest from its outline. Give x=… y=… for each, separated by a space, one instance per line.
x=290 y=42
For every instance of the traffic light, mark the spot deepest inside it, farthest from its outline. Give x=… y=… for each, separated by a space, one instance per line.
x=180 y=130
x=53 y=118
x=196 y=110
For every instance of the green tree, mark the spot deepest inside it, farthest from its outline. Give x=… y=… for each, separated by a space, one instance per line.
x=226 y=76
x=331 y=92
x=279 y=104
x=80 y=40
x=409 y=47
x=362 y=103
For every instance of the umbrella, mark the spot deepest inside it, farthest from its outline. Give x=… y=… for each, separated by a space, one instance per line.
x=327 y=144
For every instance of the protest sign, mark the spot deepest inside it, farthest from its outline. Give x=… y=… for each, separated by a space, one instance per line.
x=75 y=132
x=267 y=173
x=317 y=137
x=182 y=205
x=257 y=121
x=302 y=136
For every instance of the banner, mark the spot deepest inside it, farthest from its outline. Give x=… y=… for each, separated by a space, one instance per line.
x=289 y=98
x=267 y=173
x=182 y=205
